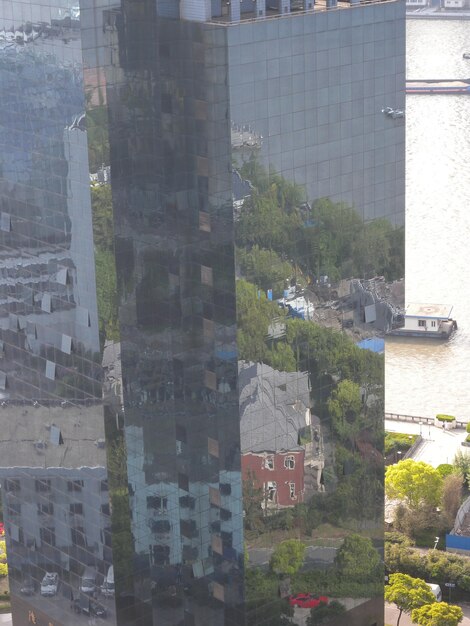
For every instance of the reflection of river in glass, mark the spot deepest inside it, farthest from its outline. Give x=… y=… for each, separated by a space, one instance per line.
x=424 y=378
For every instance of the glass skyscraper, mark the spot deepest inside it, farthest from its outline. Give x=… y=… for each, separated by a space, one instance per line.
x=200 y=201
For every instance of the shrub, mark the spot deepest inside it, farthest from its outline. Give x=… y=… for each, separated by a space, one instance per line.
x=287 y=557
x=398 y=441
x=398 y=537
x=445 y=469
x=330 y=583
x=468 y=427
x=445 y=418
x=324 y=612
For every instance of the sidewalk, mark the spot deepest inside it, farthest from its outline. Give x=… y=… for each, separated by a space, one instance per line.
x=438 y=446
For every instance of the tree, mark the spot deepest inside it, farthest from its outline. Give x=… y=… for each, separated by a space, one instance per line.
x=3 y=559
x=254 y=314
x=451 y=497
x=287 y=557
x=102 y=211
x=106 y=283
x=372 y=248
x=323 y=613
x=402 y=559
x=357 y=558
x=462 y=464
x=344 y=406
x=263 y=604
x=437 y=614
x=445 y=469
x=415 y=482
x=417 y=523
x=265 y=268
x=253 y=498
x=408 y=593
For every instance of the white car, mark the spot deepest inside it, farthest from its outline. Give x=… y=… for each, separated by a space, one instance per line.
x=107 y=588
x=50 y=584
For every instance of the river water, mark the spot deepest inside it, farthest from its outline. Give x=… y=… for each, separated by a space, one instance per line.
x=428 y=377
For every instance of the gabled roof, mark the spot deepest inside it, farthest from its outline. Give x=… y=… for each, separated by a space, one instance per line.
x=272 y=407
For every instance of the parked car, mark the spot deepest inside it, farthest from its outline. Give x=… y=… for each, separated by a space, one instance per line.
x=307 y=600
x=50 y=584
x=28 y=588
x=436 y=590
x=107 y=588
x=88 y=581
x=84 y=604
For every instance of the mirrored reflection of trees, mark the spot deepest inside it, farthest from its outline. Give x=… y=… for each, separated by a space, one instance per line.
x=323 y=238
x=98 y=141
x=106 y=282
x=289 y=247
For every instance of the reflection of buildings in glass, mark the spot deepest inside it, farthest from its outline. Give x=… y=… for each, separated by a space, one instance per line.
x=161 y=83
x=182 y=519
x=55 y=503
x=276 y=435
x=54 y=478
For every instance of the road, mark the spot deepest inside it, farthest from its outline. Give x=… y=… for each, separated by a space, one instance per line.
x=391 y=616
x=439 y=446
x=314 y=555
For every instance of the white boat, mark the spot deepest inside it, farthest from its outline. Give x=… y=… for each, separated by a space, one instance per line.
x=426 y=320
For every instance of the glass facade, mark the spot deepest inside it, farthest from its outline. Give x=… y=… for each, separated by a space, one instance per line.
x=195 y=208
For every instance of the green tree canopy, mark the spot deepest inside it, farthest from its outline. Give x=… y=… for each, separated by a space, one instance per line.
x=3 y=559
x=415 y=482
x=265 y=268
x=408 y=593
x=254 y=315
x=324 y=613
x=344 y=406
x=102 y=211
x=462 y=464
x=372 y=248
x=357 y=558
x=287 y=557
x=452 y=491
x=328 y=238
x=445 y=469
x=437 y=614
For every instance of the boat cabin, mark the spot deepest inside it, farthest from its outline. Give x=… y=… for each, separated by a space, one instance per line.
x=428 y=320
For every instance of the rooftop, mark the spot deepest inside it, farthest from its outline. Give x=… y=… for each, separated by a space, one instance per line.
x=52 y=436
x=272 y=12
x=273 y=407
x=436 y=311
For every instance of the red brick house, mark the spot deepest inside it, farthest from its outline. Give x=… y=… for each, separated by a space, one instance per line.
x=280 y=474
x=274 y=413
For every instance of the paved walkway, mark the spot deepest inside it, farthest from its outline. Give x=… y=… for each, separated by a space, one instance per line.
x=439 y=446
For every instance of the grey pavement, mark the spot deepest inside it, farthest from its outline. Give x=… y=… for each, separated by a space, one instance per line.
x=318 y=556
x=391 y=616
x=6 y=619
x=439 y=446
